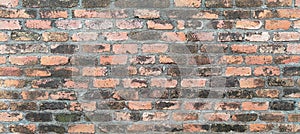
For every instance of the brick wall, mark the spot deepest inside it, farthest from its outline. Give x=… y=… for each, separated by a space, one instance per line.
x=135 y=66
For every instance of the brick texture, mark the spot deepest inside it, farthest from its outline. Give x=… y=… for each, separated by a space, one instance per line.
x=149 y=66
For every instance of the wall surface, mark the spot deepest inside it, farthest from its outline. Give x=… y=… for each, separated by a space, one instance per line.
x=145 y=66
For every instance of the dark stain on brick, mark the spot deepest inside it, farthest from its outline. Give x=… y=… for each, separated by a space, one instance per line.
x=97 y=94
x=21 y=129
x=245 y=117
x=64 y=49
x=199 y=105
x=144 y=35
x=291 y=71
x=282 y=105
x=39 y=117
x=240 y=94
x=95 y=3
x=66 y=117
x=51 y=128
x=248 y=3
x=135 y=116
x=53 y=105
x=50 y=3
x=162 y=105
x=116 y=105
x=237 y=14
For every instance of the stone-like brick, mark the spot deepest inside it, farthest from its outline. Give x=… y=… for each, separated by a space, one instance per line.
x=21 y=106
x=54 y=14
x=237 y=14
x=218 y=3
x=285 y=82
x=95 y=3
x=197 y=106
x=255 y=106
x=28 y=129
x=98 y=24
x=17 y=13
x=38 y=24
x=286 y=36
x=167 y=105
x=25 y=36
x=280 y=3
x=146 y=14
x=84 y=36
x=163 y=82
x=272 y=117
x=222 y=24
x=66 y=117
x=81 y=128
x=239 y=94
x=39 y=117
x=53 y=105
x=55 y=36
x=249 y=3
x=291 y=93
x=142 y=4
x=230 y=37
x=46 y=83
x=45 y=128
x=291 y=71
x=144 y=35
x=282 y=105
x=268 y=48
x=10 y=25
x=99 y=48
x=227 y=106
x=50 y=4
x=257 y=36
x=23 y=48
x=244 y=117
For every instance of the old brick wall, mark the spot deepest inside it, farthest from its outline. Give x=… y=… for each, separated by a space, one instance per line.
x=136 y=66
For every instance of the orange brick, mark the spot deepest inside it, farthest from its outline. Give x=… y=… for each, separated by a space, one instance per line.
x=262 y=59
x=184 y=116
x=10 y=117
x=288 y=13
x=125 y=48
x=106 y=83
x=10 y=71
x=2 y=60
x=53 y=14
x=266 y=71
x=248 y=24
x=134 y=83
x=113 y=60
x=217 y=116
x=192 y=128
x=255 y=106
x=244 y=48
x=54 y=60
x=238 y=71
x=38 y=24
x=268 y=93
x=297 y=22
x=9 y=25
x=277 y=24
x=139 y=105
x=9 y=3
x=94 y=71
x=4 y=36
x=23 y=60
x=14 y=83
x=159 y=24
x=260 y=127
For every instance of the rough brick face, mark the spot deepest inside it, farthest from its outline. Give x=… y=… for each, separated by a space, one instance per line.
x=149 y=66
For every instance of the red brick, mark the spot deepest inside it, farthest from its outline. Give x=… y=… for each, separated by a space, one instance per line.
x=277 y=24
x=28 y=128
x=9 y=3
x=38 y=24
x=139 y=105
x=194 y=128
x=84 y=36
x=187 y=3
x=37 y=72
x=35 y=95
x=81 y=128
x=16 y=13
x=167 y=105
x=197 y=106
x=10 y=71
x=248 y=24
x=228 y=59
x=10 y=117
x=163 y=83
x=23 y=60
x=2 y=59
x=293 y=117
x=293 y=48
x=54 y=60
x=279 y=3
x=173 y=37
x=68 y=24
x=255 y=106
x=268 y=93
x=159 y=24
x=115 y=36
x=83 y=106
x=227 y=106
x=113 y=60
x=200 y=36
x=125 y=48
x=9 y=25
x=184 y=116
x=155 y=116
x=63 y=95
x=14 y=83
x=193 y=83
x=94 y=71
x=76 y=84
x=55 y=36
x=251 y=82
x=106 y=83
x=244 y=48
x=286 y=36
x=154 y=48
x=129 y=24
x=134 y=83
x=238 y=71
x=142 y=60
x=146 y=14
x=262 y=59
x=54 y=14
x=266 y=71
x=288 y=13
x=126 y=94
x=216 y=116
x=260 y=127
x=4 y=36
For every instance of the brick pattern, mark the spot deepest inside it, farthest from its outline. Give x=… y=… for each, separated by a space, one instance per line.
x=149 y=66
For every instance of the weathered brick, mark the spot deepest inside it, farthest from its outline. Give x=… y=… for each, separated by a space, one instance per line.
x=63 y=95
x=106 y=83
x=54 y=14
x=68 y=83
x=291 y=93
x=293 y=117
x=296 y=24
x=192 y=14
x=282 y=105
x=81 y=128
x=237 y=14
x=163 y=82
x=129 y=24
x=146 y=14
x=95 y=3
x=155 y=116
x=266 y=71
x=197 y=106
x=142 y=4
x=128 y=116
x=125 y=48
x=134 y=83
x=84 y=106
x=23 y=60
x=39 y=117
x=28 y=128
x=10 y=25
x=218 y=3
x=238 y=71
x=267 y=93
x=139 y=105
x=240 y=94
x=184 y=116
x=159 y=24
x=53 y=105
x=216 y=116
x=45 y=83
x=10 y=71
x=84 y=36
x=4 y=36
x=14 y=83
x=38 y=24
x=227 y=106
x=68 y=117
x=187 y=3
x=68 y=24
x=10 y=117
x=23 y=48
x=247 y=24
x=280 y=3
x=167 y=105
x=50 y=4
x=35 y=95
x=201 y=36
x=286 y=36
x=25 y=36
x=262 y=59
x=190 y=83
x=45 y=128
x=251 y=82
x=144 y=35
x=286 y=82
x=272 y=48
x=244 y=48
x=272 y=117
x=9 y=3
x=54 y=60
x=222 y=24
x=98 y=24
x=63 y=49
x=17 y=13
x=125 y=95
x=21 y=106
x=228 y=128
x=249 y=3
x=257 y=36
x=244 y=117
x=99 y=48
x=154 y=48
x=55 y=36
x=94 y=71
x=293 y=48
x=114 y=128
x=230 y=37
x=291 y=71
x=115 y=36
x=288 y=13
x=113 y=60
x=255 y=105
x=82 y=13
x=260 y=127
x=97 y=94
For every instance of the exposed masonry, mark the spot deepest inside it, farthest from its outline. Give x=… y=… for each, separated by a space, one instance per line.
x=149 y=66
